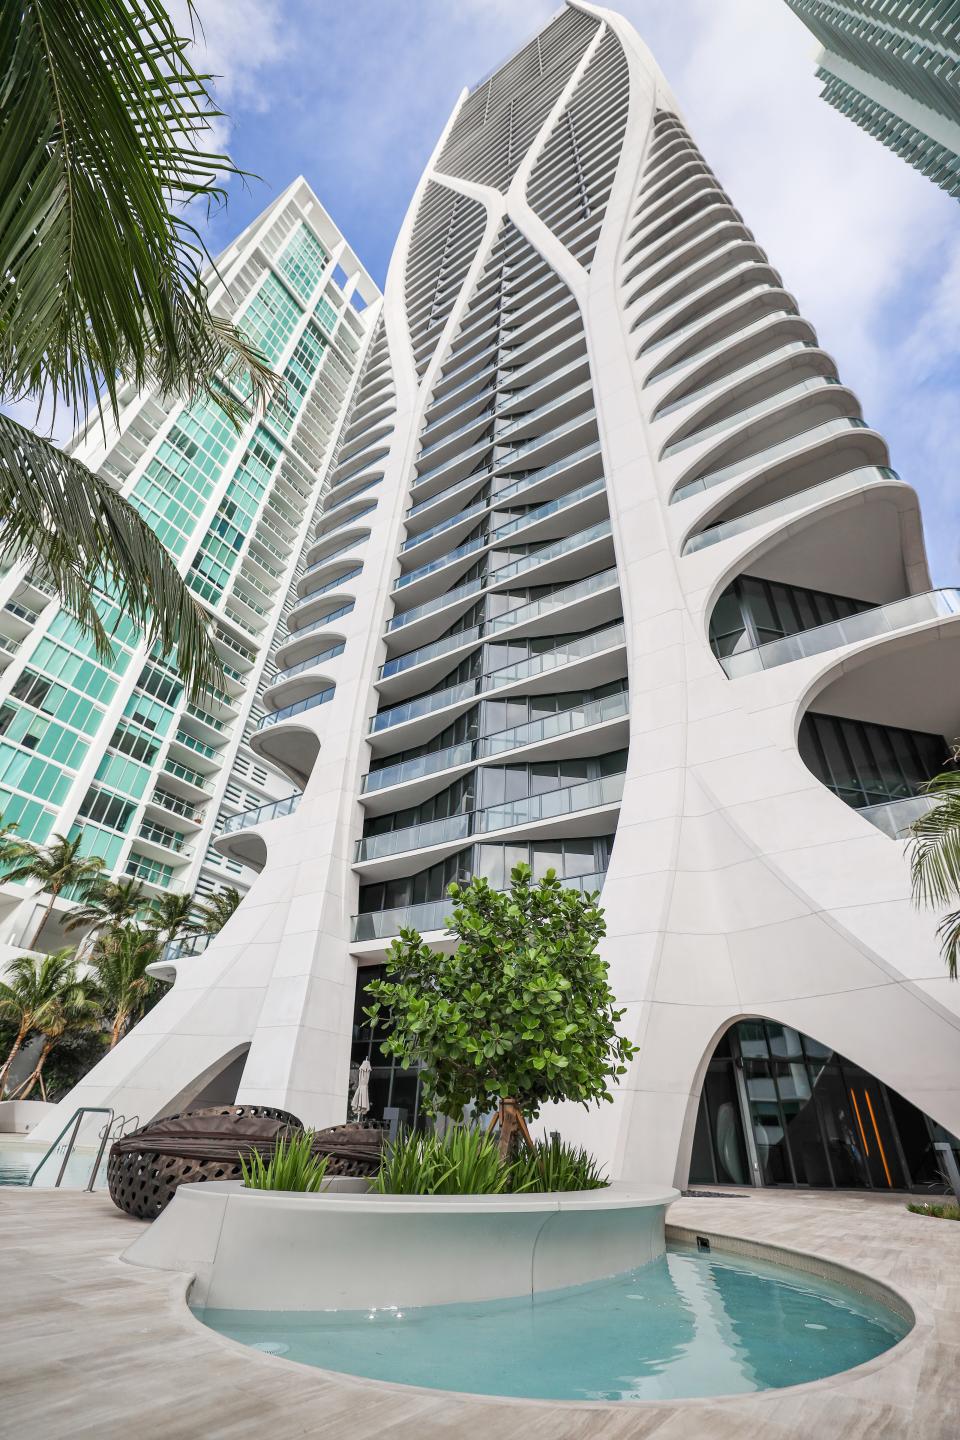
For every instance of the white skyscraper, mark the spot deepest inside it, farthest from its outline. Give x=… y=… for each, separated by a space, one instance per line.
x=114 y=752
x=611 y=576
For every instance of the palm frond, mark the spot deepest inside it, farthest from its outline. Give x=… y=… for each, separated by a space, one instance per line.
x=935 y=846
x=81 y=534
x=103 y=129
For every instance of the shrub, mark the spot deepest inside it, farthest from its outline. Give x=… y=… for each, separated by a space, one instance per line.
x=948 y=1211
x=292 y=1166
x=462 y=1162
x=554 y=1165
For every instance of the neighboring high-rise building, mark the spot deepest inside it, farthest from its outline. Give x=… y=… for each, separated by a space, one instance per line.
x=893 y=67
x=612 y=576
x=113 y=751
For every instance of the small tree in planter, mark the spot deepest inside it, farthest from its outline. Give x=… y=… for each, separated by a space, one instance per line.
x=520 y=1013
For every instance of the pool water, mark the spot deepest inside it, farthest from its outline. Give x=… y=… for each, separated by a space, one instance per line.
x=689 y=1324
x=18 y=1162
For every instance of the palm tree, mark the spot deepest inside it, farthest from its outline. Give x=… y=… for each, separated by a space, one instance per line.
x=72 y=1009
x=108 y=903
x=122 y=984
x=58 y=867
x=29 y=992
x=935 y=859
x=169 y=915
x=103 y=122
x=214 y=913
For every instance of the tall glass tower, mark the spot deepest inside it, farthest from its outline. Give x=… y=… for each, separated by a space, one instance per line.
x=611 y=576
x=893 y=67
x=113 y=752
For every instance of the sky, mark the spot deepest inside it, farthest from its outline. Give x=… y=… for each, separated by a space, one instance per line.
x=353 y=96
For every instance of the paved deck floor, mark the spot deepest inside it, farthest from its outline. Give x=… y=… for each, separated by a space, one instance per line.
x=90 y=1346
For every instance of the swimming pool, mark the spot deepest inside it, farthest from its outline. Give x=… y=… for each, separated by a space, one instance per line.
x=18 y=1162
x=688 y=1324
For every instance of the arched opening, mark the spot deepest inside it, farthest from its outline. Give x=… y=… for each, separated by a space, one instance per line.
x=779 y=1108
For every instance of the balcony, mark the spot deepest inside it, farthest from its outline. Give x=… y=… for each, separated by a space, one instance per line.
x=570 y=652
x=762 y=459
x=768 y=406
x=260 y=814
x=567 y=800
x=855 y=629
x=799 y=500
x=517 y=737
x=433 y=914
x=288 y=711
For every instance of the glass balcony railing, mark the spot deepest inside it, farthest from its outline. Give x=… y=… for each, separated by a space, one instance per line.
x=751 y=412
x=535 y=477
x=589 y=795
x=334 y=584
x=535 y=441
x=434 y=914
x=330 y=505
x=464 y=429
x=555 y=550
x=423 y=705
x=543 y=411
x=459 y=553
x=415 y=837
x=474 y=479
x=287 y=711
x=547 y=355
x=549 y=805
x=896 y=817
x=528 y=391
x=473 y=450
x=556 y=600
x=550 y=727
x=812 y=494
x=419 y=767
x=866 y=625
x=476 y=394
x=429 y=607
x=331 y=555
x=260 y=813
x=539 y=664
x=564 y=595
x=476 y=509
x=704 y=318
x=320 y=623
x=550 y=507
x=735 y=376
x=183 y=772
x=310 y=664
x=443 y=646
x=768 y=456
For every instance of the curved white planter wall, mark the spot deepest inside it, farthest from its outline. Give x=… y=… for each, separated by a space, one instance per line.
x=259 y=1250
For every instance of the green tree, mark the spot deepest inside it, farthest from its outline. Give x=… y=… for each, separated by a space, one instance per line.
x=216 y=910
x=103 y=131
x=57 y=867
x=122 y=985
x=108 y=903
x=520 y=1014
x=935 y=860
x=29 y=994
x=71 y=1012
x=169 y=915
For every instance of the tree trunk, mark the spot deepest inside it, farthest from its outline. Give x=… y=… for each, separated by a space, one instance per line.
x=32 y=1079
x=509 y=1129
x=15 y=1049
x=118 y=1027
x=43 y=919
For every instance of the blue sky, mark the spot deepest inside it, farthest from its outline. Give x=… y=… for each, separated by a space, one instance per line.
x=354 y=96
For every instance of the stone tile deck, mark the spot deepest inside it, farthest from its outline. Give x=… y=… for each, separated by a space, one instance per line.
x=92 y=1347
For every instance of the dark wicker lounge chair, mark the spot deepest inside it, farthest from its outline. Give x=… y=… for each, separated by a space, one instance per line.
x=145 y=1167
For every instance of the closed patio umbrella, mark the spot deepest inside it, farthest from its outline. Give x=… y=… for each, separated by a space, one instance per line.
x=360 y=1101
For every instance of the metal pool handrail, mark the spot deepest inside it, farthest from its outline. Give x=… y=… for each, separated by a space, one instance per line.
x=75 y=1122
